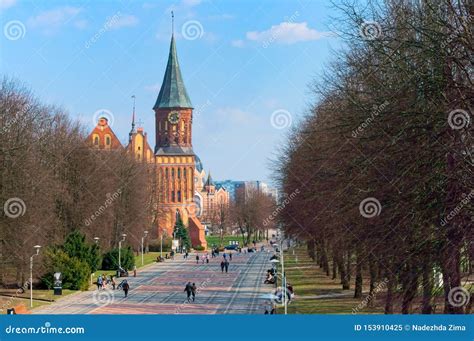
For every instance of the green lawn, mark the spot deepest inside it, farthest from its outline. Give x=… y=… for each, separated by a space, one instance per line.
x=45 y=296
x=215 y=240
x=308 y=281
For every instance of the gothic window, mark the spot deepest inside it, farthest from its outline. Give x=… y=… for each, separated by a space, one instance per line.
x=179 y=196
x=172 y=196
x=172 y=172
x=166 y=173
x=179 y=173
x=184 y=173
x=96 y=140
x=107 y=140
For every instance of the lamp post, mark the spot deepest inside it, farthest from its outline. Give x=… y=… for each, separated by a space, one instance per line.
x=145 y=233
x=283 y=276
x=120 y=247
x=161 y=243
x=37 y=248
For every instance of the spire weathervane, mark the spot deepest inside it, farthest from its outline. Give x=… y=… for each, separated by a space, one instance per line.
x=133 y=116
x=172 y=23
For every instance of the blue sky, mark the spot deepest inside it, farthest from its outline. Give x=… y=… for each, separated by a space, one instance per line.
x=246 y=65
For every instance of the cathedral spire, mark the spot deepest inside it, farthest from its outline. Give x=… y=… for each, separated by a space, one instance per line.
x=173 y=93
x=133 y=118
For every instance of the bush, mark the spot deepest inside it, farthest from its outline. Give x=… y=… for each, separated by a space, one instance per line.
x=110 y=259
x=198 y=248
x=75 y=272
x=154 y=245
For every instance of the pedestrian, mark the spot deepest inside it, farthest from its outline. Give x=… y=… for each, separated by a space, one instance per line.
x=203 y=259
x=104 y=282
x=207 y=258
x=172 y=254
x=222 y=266
x=224 y=255
x=125 y=287
x=188 y=289
x=213 y=254
x=186 y=255
x=226 y=264
x=112 y=281
x=230 y=256
x=193 y=291
x=99 y=282
x=197 y=258
x=134 y=271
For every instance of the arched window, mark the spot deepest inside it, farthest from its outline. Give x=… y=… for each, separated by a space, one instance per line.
x=107 y=140
x=96 y=140
x=166 y=173
x=179 y=196
x=172 y=172
x=172 y=196
x=179 y=173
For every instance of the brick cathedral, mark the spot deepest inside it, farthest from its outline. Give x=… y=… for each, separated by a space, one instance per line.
x=173 y=156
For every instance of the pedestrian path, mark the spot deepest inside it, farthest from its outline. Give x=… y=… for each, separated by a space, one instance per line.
x=159 y=289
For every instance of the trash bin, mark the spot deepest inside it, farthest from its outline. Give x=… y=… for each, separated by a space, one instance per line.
x=58 y=291
x=11 y=311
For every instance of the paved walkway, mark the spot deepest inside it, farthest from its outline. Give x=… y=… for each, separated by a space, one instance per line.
x=159 y=289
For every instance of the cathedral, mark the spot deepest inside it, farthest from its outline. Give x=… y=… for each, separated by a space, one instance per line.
x=179 y=173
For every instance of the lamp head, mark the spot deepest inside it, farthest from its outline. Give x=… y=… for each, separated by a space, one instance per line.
x=37 y=248
x=146 y=233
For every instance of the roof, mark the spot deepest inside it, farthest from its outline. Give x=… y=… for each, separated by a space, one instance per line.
x=198 y=163
x=174 y=150
x=173 y=93
x=209 y=181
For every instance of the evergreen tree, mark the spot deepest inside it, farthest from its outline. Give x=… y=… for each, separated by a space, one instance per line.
x=76 y=246
x=181 y=233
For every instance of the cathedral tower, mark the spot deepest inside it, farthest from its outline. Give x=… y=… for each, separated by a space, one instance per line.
x=174 y=154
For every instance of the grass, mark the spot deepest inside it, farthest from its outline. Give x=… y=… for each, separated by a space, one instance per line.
x=40 y=298
x=308 y=281
x=215 y=240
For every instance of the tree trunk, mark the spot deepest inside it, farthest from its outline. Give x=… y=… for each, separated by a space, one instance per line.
x=427 y=281
x=411 y=285
x=390 y=293
x=358 y=279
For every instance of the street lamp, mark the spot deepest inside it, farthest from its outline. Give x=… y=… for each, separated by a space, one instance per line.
x=37 y=248
x=120 y=247
x=283 y=276
x=143 y=240
x=161 y=243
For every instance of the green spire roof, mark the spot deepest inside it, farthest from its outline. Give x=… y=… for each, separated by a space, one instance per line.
x=173 y=93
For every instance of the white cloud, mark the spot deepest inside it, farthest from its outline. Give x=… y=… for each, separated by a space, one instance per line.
x=287 y=33
x=153 y=88
x=238 y=43
x=55 y=18
x=4 y=4
x=81 y=24
x=123 y=21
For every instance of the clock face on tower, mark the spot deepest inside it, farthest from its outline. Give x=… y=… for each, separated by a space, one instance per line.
x=173 y=117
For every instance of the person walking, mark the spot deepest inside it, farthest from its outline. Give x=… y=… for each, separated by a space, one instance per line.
x=125 y=287
x=112 y=281
x=188 y=289
x=197 y=258
x=104 y=282
x=134 y=271
x=99 y=282
x=226 y=264
x=222 y=266
x=230 y=256
x=193 y=291
x=207 y=258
